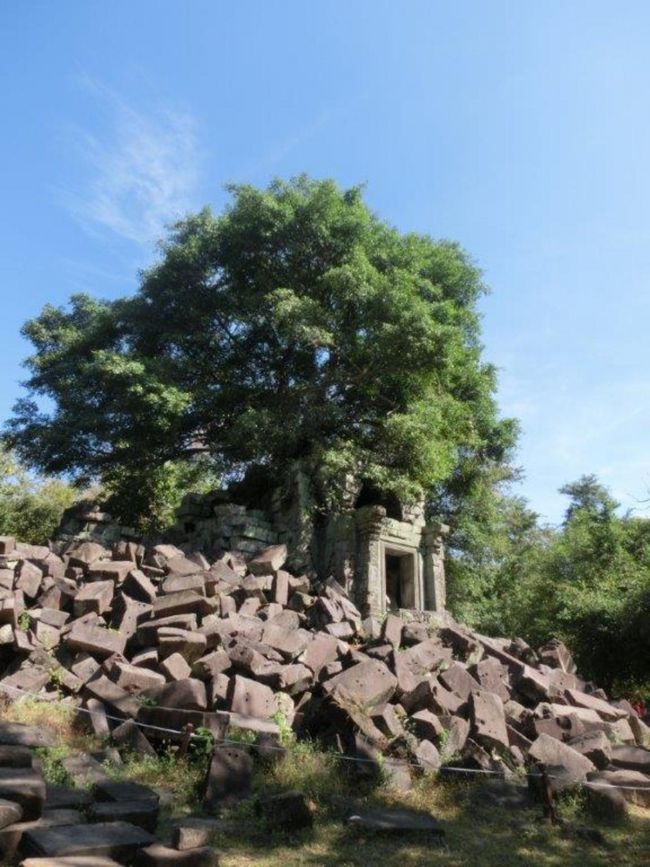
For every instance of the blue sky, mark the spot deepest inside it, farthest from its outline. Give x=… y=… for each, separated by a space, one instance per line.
x=520 y=129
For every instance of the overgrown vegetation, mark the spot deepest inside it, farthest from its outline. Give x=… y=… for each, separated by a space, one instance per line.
x=31 y=506
x=296 y=325
x=587 y=582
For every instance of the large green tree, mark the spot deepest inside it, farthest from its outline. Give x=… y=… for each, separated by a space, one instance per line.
x=294 y=325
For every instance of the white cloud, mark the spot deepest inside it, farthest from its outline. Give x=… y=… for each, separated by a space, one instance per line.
x=142 y=169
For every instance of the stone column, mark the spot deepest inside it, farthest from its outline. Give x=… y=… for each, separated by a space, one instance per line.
x=433 y=563
x=370 y=591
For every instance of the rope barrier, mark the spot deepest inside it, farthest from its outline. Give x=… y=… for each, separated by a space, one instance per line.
x=272 y=748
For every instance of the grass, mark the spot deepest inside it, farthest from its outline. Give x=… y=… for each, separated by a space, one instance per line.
x=475 y=834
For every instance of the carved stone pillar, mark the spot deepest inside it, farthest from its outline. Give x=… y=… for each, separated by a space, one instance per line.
x=433 y=564
x=370 y=591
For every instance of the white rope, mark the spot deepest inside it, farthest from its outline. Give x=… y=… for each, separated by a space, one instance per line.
x=338 y=756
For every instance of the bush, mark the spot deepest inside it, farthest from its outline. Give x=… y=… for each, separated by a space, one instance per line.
x=31 y=507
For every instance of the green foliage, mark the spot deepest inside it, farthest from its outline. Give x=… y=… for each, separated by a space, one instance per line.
x=25 y=621
x=586 y=582
x=52 y=763
x=296 y=325
x=30 y=507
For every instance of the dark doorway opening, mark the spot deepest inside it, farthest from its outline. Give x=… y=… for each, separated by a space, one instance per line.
x=399 y=571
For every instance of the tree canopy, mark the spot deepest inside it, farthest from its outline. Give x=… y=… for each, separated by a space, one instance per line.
x=296 y=324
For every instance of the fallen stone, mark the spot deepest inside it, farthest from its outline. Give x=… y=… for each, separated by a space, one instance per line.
x=120 y=840
x=158 y=855
x=15 y=757
x=632 y=785
x=129 y=736
x=249 y=698
x=595 y=746
x=143 y=813
x=10 y=812
x=269 y=560
x=395 y=821
x=24 y=787
x=229 y=777
x=95 y=640
x=631 y=758
x=367 y=684
x=18 y=734
x=551 y=753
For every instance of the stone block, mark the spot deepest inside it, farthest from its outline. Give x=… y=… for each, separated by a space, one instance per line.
x=552 y=753
x=94 y=597
x=143 y=813
x=95 y=640
x=158 y=855
x=130 y=737
x=488 y=719
x=269 y=560
x=367 y=684
x=10 y=812
x=24 y=787
x=229 y=777
x=120 y=840
x=250 y=698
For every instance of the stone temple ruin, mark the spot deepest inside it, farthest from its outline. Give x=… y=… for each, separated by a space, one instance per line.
x=385 y=554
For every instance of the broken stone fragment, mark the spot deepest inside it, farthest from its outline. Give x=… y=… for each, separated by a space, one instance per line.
x=24 y=787
x=552 y=753
x=250 y=698
x=95 y=640
x=269 y=560
x=367 y=684
x=595 y=746
x=229 y=777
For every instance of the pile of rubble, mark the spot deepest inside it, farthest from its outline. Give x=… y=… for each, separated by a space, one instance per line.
x=149 y=641
x=106 y=824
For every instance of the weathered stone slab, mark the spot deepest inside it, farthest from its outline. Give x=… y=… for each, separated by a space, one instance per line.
x=109 y=570
x=133 y=678
x=162 y=856
x=550 y=752
x=269 y=560
x=129 y=736
x=367 y=684
x=96 y=640
x=633 y=785
x=70 y=861
x=120 y=840
x=143 y=813
x=15 y=757
x=488 y=719
x=631 y=758
x=10 y=812
x=395 y=821
x=17 y=734
x=595 y=746
x=24 y=787
x=229 y=777
x=84 y=770
x=247 y=697
x=94 y=597
x=603 y=708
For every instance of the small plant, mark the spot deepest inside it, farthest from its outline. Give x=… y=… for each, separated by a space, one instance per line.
x=147 y=701
x=202 y=744
x=245 y=737
x=287 y=735
x=52 y=762
x=25 y=621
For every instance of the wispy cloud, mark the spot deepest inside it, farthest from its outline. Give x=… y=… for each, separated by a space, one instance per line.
x=141 y=169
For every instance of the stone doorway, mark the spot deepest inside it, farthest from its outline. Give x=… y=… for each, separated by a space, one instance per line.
x=399 y=579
